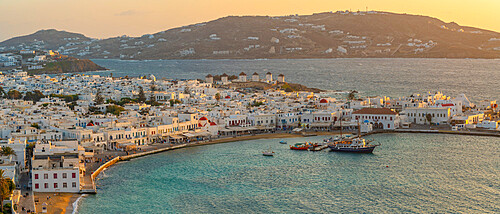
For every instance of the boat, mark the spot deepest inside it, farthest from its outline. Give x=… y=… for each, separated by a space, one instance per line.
x=283 y=142
x=269 y=152
x=353 y=145
x=356 y=145
x=304 y=146
x=300 y=146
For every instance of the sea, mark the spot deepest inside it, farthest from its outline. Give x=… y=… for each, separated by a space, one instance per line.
x=476 y=78
x=408 y=173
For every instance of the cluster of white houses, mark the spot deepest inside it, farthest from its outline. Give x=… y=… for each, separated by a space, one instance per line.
x=67 y=133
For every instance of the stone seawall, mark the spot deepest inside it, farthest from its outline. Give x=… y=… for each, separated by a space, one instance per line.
x=426 y=131
x=104 y=166
x=128 y=157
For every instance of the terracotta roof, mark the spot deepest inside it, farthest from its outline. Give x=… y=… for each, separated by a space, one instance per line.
x=447 y=104
x=375 y=111
x=268 y=73
x=242 y=74
x=203 y=118
x=281 y=75
x=210 y=75
x=224 y=75
x=255 y=73
x=323 y=101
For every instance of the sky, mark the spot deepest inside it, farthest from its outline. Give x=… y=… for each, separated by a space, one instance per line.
x=108 y=18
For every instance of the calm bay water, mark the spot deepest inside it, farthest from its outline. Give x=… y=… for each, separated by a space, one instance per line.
x=425 y=174
x=477 y=78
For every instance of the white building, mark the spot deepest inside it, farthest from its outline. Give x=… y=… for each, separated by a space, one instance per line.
x=269 y=77
x=242 y=77
x=255 y=77
x=281 y=78
x=382 y=118
x=438 y=115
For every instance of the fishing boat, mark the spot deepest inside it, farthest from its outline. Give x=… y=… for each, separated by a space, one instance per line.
x=304 y=146
x=300 y=146
x=283 y=142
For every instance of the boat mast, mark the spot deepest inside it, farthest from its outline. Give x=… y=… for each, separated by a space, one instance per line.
x=341 y=126
x=359 y=130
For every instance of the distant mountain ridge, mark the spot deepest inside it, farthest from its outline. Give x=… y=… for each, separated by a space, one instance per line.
x=324 y=35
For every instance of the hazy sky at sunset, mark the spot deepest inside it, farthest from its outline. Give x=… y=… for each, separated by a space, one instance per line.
x=106 y=18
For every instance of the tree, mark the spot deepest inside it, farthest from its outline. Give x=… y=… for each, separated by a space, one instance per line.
x=351 y=96
x=14 y=95
x=114 y=109
x=2 y=92
x=152 y=97
x=98 y=98
x=72 y=105
x=428 y=117
x=176 y=101
x=153 y=86
x=7 y=151
x=34 y=96
x=187 y=90
x=141 y=97
x=6 y=188
x=217 y=96
x=35 y=125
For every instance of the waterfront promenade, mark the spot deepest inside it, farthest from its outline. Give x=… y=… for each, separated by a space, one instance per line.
x=65 y=201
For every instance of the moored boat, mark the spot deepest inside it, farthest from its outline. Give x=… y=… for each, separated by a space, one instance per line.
x=354 y=145
x=357 y=145
x=299 y=146
x=283 y=142
x=269 y=152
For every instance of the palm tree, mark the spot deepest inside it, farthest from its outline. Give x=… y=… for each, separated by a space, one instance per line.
x=428 y=117
x=7 y=151
x=351 y=96
x=6 y=188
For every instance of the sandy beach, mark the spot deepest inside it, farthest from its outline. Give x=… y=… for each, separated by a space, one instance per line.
x=56 y=202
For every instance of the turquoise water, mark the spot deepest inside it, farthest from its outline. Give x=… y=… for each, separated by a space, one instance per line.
x=477 y=78
x=415 y=173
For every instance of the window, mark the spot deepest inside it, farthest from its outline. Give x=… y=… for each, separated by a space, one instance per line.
x=36 y=176
x=65 y=175
x=73 y=175
x=46 y=185
x=45 y=176
x=55 y=175
x=73 y=184
x=37 y=186
x=65 y=185
x=55 y=185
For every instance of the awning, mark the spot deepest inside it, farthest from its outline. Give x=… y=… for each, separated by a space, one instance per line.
x=196 y=134
x=176 y=137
